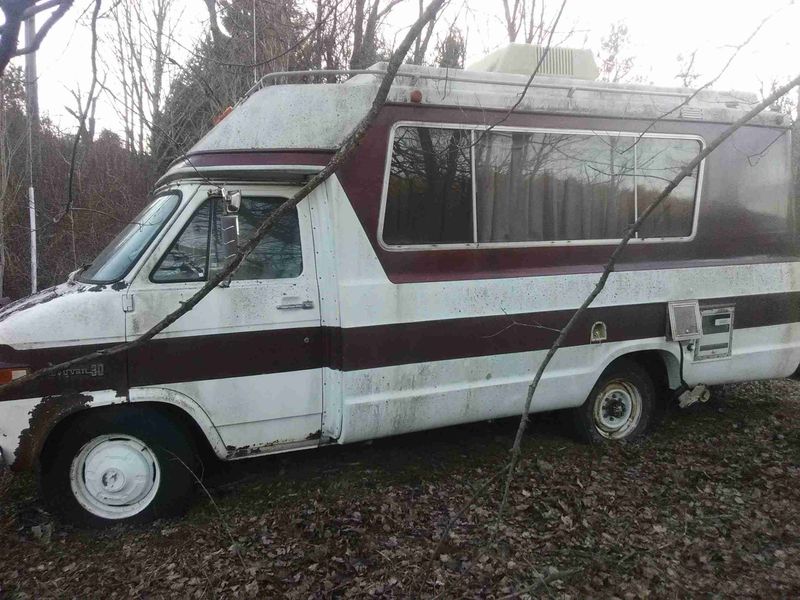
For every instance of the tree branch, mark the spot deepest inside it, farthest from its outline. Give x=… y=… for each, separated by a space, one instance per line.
x=344 y=152
x=609 y=268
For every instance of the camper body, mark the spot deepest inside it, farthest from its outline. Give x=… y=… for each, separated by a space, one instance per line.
x=419 y=287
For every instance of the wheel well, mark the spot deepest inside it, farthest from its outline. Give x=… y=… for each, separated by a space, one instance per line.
x=662 y=367
x=204 y=449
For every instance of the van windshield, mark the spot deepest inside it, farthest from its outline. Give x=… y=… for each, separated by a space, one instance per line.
x=118 y=257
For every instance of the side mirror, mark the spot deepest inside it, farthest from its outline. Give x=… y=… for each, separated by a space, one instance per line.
x=233 y=200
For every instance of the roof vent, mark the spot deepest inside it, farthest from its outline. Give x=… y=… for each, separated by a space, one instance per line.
x=521 y=59
x=691 y=112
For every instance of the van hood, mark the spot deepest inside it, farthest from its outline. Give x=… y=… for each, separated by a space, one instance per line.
x=72 y=313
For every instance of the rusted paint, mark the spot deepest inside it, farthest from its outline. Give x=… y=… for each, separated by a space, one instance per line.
x=234 y=452
x=43 y=418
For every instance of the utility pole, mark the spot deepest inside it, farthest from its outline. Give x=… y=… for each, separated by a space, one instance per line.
x=32 y=109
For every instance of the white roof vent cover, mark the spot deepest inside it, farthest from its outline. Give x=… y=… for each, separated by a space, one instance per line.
x=521 y=59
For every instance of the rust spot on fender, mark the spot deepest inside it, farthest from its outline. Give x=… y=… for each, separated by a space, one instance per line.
x=43 y=418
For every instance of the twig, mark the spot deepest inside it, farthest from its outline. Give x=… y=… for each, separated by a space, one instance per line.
x=222 y=520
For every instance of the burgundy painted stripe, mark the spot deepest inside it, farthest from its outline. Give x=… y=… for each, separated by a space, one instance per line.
x=174 y=360
x=258 y=158
x=193 y=358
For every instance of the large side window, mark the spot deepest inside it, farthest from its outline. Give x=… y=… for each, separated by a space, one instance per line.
x=198 y=250
x=550 y=186
x=658 y=161
x=533 y=186
x=429 y=199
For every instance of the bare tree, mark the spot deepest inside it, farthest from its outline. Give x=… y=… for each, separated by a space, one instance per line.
x=451 y=50
x=141 y=46
x=367 y=19
x=11 y=141
x=687 y=73
x=17 y=11
x=528 y=18
x=615 y=62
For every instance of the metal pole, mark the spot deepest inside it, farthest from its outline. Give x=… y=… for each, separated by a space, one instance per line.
x=32 y=216
x=255 y=67
x=32 y=108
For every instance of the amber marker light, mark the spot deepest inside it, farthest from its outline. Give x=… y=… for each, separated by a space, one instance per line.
x=10 y=374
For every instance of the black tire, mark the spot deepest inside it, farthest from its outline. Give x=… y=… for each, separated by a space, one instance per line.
x=623 y=382
x=167 y=443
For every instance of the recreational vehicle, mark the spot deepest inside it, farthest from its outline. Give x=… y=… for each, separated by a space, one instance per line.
x=418 y=287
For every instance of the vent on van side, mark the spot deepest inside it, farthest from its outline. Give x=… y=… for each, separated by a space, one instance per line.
x=691 y=112
x=684 y=320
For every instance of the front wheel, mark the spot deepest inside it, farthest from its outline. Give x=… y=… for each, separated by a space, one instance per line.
x=621 y=406
x=119 y=465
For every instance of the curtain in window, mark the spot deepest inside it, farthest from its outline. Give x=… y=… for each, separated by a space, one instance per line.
x=541 y=187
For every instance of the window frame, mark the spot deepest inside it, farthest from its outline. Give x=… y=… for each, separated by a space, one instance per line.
x=198 y=208
x=475 y=245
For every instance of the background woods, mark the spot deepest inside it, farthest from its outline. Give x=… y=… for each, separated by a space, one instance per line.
x=166 y=88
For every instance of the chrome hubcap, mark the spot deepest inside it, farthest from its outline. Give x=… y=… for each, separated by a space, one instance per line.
x=115 y=476
x=617 y=409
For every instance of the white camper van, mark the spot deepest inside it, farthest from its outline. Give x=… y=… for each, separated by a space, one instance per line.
x=417 y=288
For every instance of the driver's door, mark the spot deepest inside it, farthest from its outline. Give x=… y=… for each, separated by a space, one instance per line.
x=250 y=352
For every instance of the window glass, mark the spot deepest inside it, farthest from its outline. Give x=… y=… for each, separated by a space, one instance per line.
x=658 y=161
x=533 y=186
x=543 y=186
x=199 y=249
x=277 y=256
x=186 y=259
x=429 y=199
x=125 y=249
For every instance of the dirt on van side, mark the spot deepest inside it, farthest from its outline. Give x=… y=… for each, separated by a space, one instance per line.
x=709 y=505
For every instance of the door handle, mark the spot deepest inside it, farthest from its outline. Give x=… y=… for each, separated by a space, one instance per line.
x=305 y=304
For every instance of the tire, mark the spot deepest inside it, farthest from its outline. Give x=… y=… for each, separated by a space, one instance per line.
x=119 y=465
x=622 y=406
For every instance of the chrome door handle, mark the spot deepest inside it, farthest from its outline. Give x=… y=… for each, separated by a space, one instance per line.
x=305 y=304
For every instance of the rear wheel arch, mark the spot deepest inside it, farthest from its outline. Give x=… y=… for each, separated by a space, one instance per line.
x=661 y=365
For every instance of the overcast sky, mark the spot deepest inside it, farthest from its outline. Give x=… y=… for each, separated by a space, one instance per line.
x=659 y=32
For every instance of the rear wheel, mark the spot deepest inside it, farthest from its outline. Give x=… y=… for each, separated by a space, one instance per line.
x=119 y=465
x=621 y=406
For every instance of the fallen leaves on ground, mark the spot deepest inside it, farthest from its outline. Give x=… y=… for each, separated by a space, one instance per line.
x=709 y=505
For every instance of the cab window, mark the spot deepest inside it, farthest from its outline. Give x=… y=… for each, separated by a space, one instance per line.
x=198 y=251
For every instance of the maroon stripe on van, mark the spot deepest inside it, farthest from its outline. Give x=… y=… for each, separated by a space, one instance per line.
x=174 y=360
x=403 y=343
x=256 y=158
x=226 y=355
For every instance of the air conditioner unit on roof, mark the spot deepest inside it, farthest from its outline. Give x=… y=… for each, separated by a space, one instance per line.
x=521 y=59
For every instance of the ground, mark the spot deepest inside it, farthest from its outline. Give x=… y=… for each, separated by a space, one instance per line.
x=709 y=505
